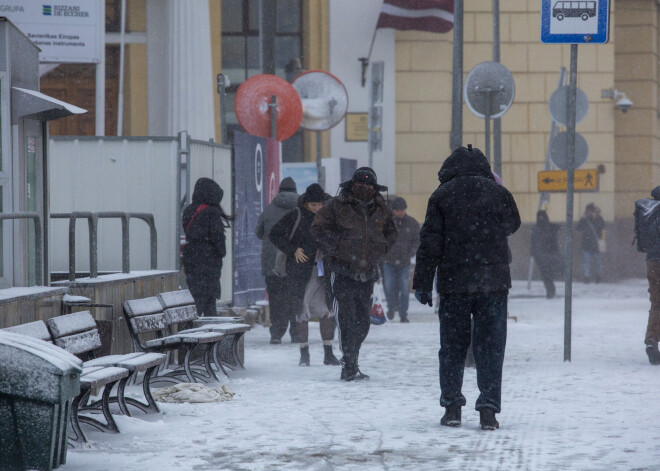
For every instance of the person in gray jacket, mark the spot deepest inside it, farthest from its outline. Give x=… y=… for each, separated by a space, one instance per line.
x=281 y=315
x=396 y=264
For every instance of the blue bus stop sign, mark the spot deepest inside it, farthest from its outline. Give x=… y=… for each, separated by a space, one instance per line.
x=574 y=21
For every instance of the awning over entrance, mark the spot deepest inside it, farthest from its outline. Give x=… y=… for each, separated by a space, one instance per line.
x=32 y=104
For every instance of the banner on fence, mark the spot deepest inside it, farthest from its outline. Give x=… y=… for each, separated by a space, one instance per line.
x=249 y=202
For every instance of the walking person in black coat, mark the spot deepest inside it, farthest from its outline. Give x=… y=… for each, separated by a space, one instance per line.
x=281 y=314
x=354 y=231
x=464 y=238
x=204 y=224
x=305 y=288
x=545 y=251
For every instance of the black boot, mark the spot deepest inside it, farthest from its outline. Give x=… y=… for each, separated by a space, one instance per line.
x=354 y=374
x=653 y=353
x=329 y=357
x=452 y=417
x=304 y=356
x=487 y=420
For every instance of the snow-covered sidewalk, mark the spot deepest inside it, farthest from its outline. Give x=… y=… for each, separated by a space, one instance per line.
x=598 y=412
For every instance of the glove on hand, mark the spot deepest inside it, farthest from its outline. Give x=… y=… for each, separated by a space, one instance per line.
x=424 y=297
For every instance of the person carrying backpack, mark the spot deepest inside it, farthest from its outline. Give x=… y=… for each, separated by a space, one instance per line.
x=647 y=230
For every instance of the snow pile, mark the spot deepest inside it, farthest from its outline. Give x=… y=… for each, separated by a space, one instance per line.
x=193 y=392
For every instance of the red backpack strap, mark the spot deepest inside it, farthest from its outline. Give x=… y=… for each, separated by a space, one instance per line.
x=199 y=209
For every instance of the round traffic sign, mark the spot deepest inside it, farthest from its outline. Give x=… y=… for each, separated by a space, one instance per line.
x=557 y=105
x=324 y=99
x=253 y=110
x=489 y=90
x=559 y=150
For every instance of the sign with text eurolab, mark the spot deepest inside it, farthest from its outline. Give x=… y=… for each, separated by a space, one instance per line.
x=574 y=21
x=557 y=180
x=69 y=31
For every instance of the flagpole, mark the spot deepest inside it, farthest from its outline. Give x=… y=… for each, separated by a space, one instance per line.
x=456 y=136
x=365 y=60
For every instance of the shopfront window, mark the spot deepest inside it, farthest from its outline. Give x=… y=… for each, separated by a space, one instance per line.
x=241 y=54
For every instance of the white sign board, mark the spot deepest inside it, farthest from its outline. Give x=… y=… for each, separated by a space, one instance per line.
x=574 y=21
x=69 y=31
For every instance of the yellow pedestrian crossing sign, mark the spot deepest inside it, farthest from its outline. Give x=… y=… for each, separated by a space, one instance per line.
x=557 y=180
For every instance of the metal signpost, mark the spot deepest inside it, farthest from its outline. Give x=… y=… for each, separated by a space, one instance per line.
x=572 y=22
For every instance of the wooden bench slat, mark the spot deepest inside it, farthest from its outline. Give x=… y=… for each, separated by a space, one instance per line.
x=148 y=323
x=142 y=307
x=180 y=314
x=36 y=329
x=80 y=343
x=171 y=299
x=71 y=324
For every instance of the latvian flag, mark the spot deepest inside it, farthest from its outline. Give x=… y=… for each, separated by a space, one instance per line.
x=435 y=16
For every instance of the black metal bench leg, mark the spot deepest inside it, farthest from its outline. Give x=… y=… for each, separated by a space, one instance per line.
x=78 y=434
x=216 y=358
x=186 y=366
x=110 y=425
x=150 y=407
x=207 y=361
x=234 y=350
x=121 y=399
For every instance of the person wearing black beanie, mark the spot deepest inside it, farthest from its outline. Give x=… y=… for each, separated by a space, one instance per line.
x=305 y=285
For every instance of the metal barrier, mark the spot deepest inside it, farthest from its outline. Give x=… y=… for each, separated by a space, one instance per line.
x=39 y=277
x=92 y=220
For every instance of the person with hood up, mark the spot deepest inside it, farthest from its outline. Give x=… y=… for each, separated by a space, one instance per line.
x=281 y=314
x=306 y=288
x=396 y=264
x=464 y=238
x=354 y=230
x=204 y=224
x=545 y=250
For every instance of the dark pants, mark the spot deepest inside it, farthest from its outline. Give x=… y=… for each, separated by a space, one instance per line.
x=396 y=283
x=352 y=305
x=278 y=305
x=653 y=326
x=547 y=267
x=489 y=311
x=285 y=298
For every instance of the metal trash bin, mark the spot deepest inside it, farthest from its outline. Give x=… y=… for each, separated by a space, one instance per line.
x=37 y=384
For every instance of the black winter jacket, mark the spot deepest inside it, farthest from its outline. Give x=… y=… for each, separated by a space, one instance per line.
x=406 y=244
x=592 y=230
x=468 y=219
x=279 y=237
x=205 y=239
x=354 y=236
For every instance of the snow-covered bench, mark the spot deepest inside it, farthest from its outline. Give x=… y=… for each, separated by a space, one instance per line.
x=145 y=318
x=78 y=333
x=180 y=305
x=93 y=380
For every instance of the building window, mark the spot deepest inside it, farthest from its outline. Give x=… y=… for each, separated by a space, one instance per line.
x=241 y=54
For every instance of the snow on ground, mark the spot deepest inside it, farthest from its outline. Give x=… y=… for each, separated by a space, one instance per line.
x=598 y=412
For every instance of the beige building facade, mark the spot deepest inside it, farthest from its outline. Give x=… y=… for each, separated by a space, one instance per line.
x=624 y=147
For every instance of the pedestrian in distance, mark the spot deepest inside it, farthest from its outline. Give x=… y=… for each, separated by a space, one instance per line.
x=281 y=312
x=396 y=264
x=204 y=223
x=354 y=231
x=305 y=287
x=545 y=250
x=464 y=238
x=647 y=232
x=592 y=227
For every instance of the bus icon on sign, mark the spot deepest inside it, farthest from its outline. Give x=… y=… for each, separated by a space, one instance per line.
x=571 y=9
